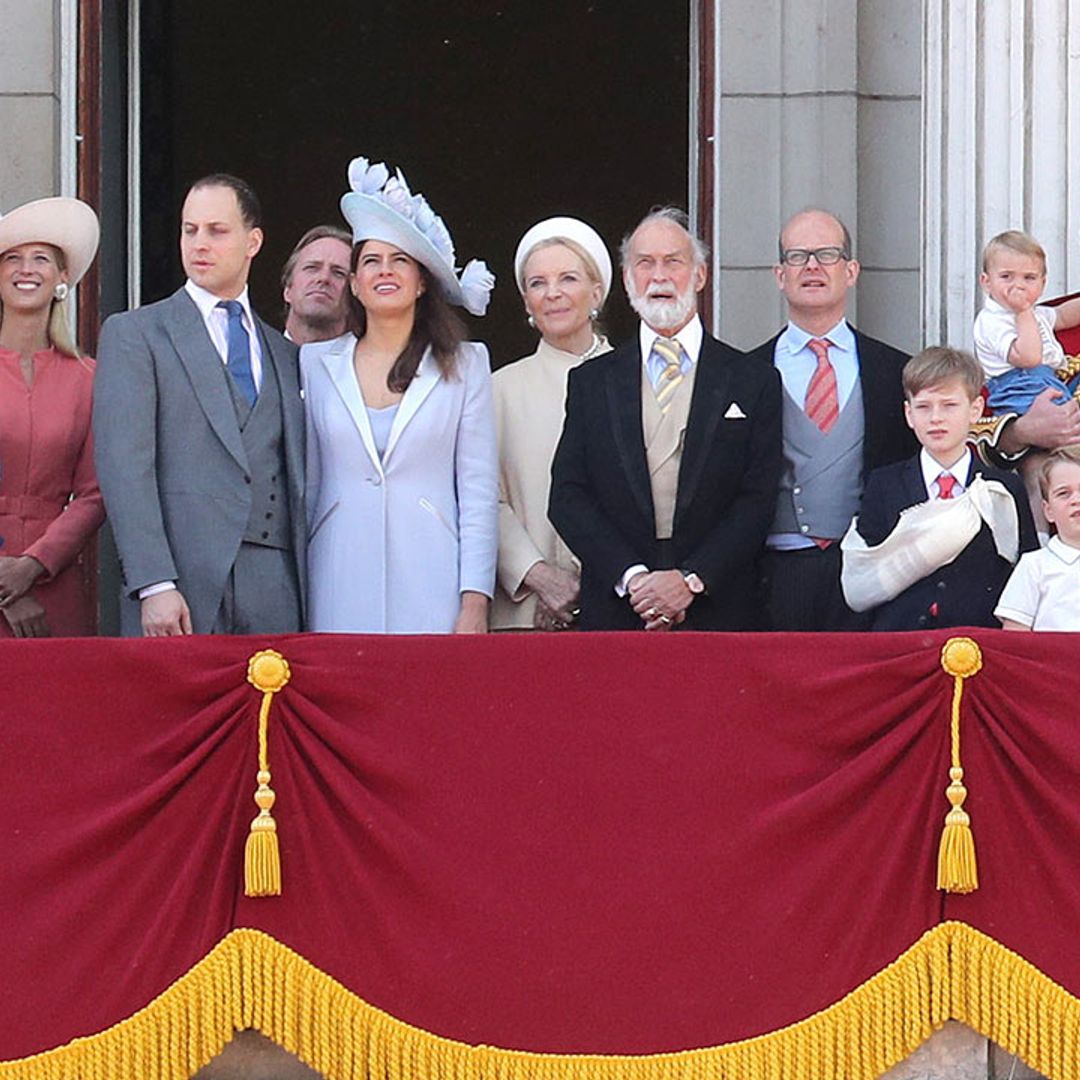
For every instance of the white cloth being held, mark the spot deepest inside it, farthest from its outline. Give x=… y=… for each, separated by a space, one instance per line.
x=928 y=536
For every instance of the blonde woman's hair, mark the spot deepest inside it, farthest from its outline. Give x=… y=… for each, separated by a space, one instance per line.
x=563 y=241
x=61 y=335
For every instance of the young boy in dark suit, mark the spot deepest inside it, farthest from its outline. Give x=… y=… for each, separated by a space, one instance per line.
x=937 y=535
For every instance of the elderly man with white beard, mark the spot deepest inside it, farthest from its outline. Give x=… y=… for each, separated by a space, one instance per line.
x=664 y=481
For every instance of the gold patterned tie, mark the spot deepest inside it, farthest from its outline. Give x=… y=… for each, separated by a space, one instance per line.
x=670 y=351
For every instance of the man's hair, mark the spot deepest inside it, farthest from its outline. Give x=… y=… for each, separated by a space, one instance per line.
x=848 y=245
x=246 y=199
x=1065 y=455
x=675 y=216
x=933 y=366
x=1019 y=243
x=317 y=232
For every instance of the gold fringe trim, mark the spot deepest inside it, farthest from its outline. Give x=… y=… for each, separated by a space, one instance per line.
x=268 y=671
x=249 y=980
x=957 y=870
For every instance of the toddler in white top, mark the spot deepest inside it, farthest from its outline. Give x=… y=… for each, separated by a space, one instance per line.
x=1014 y=336
x=1043 y=592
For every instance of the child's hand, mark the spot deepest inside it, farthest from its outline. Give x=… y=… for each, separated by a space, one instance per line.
x=1018 y=298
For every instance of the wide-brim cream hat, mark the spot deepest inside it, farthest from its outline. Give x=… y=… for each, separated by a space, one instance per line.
x=68 y=224
x=566 y=228
x=381 y=207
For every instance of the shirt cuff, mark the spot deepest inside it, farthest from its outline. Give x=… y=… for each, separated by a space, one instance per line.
x=153 y=590
x=622 y=586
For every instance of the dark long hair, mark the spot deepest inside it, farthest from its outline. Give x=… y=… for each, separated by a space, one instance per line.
x=436 y=324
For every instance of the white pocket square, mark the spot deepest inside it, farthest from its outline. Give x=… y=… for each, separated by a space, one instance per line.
x=734 y=412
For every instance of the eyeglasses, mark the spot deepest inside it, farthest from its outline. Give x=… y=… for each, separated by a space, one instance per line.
x=826 y=256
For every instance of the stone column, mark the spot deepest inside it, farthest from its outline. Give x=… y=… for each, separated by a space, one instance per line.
x=1001 y=133
x=38 y=56
x=818 y=105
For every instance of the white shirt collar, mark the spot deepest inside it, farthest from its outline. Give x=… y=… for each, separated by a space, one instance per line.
x=1065 y=552
x=207 y=302
x=931 y=470
x=841 y=336
x=689 y=337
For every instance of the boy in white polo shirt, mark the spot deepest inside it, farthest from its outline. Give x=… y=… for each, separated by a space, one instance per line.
x=1043 y=592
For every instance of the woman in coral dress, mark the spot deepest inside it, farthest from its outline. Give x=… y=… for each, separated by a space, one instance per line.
x=50 y=505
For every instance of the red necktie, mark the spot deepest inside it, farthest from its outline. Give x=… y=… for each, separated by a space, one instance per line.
x=822 y=404
x=945 y=483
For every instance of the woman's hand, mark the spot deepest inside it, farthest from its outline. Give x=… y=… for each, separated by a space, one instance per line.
x=26 y=617
x=472 y=618
x=17 y=575
x=557 y=591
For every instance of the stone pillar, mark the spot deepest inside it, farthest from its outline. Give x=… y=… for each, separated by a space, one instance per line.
x=818 y=105
x=37 y=99
x=1001 y=131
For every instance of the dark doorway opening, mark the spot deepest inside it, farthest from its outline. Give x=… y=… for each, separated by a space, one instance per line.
x=500 y=113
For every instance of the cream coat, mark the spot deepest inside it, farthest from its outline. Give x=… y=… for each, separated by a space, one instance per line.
x=530 y=398
x=393 y=543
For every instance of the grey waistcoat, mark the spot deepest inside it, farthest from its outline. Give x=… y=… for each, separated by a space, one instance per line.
x=261 y=433
x=822 y=479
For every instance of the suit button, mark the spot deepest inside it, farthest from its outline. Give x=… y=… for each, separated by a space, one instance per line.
x=796 y=491
x=266 y=536
x=269 y=515
x=941 y=585
x=804 y=528
x=376 y=480
x=247 y=479
x=799 y=510
x=273 y=497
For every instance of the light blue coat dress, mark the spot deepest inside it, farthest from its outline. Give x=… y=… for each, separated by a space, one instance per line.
x=393 y=542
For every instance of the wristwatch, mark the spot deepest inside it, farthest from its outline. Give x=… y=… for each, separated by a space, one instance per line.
x=693 y=582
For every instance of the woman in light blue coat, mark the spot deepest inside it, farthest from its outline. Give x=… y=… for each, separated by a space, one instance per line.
x=402 y=473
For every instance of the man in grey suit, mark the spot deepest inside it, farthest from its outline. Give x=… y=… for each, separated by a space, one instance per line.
x=198 y=428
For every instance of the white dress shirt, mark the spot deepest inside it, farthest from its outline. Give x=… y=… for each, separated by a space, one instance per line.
x=217 y=325
x=932 y=470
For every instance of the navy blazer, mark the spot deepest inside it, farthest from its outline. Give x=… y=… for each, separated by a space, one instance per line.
x=887 y=437
x=961 y=593
x=601 y=495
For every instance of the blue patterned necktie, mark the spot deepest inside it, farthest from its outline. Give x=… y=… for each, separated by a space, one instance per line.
x=239 y=358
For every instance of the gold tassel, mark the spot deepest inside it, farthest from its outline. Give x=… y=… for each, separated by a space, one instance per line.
x=268 y=671
x=958 y=871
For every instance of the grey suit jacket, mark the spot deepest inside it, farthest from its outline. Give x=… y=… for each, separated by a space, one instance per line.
x=169 y=454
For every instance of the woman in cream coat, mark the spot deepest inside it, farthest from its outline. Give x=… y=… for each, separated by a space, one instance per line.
x=401 y=485
x=563 y=271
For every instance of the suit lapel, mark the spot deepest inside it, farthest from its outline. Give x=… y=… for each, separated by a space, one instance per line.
x=425 y=380
x=915 y=487
x=706 y=412
x=338 y=363
x=190 y=339
x=623 y=389
x=876 y=383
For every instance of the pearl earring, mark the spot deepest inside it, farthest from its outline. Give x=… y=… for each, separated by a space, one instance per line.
x=594 y=314
x=60 y=291
x=531 y=321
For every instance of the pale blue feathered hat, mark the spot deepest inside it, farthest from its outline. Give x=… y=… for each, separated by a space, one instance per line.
x=381 y=207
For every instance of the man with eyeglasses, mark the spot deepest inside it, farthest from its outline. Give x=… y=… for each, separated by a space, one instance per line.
x=843 y=415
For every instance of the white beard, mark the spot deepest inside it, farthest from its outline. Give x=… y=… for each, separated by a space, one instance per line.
x=663 y=314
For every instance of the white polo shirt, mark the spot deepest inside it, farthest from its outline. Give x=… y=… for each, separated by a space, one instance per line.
x=1044 y=589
